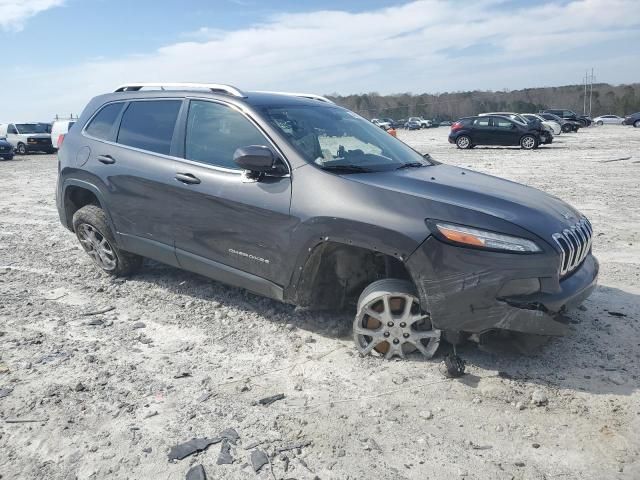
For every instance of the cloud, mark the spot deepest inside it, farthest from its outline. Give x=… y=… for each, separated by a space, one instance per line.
x=415 y=47
x=13 y=13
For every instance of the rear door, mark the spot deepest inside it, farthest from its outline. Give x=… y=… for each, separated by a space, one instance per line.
x=133 y=159
x=222 y=218
x=481 y=132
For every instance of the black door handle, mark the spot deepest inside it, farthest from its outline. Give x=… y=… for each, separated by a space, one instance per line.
x=187 y=178
x=106 y=159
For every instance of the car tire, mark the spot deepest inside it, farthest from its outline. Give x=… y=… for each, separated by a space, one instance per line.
x=636 y=124
x=566 y=128
x=463 y=142
x=600 y=123
x=21 y=149
x=528 y=142
x=93 y=232
x=399 y=330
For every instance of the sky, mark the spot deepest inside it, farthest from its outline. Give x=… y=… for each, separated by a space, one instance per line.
x=59 y=53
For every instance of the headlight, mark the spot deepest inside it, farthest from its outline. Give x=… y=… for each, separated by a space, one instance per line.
x=482 y=239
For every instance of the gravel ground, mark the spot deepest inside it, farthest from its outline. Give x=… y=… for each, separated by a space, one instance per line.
x=179 y=356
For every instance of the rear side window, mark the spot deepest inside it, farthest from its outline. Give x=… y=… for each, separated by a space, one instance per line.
x=502 y=122
x=102 y=124
x=215 y=131
x=481 y=122
x=149 y=125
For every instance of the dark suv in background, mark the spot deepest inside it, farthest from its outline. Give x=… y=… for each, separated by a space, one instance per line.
x=297 y=199
x=583 y=120
x=633 y=119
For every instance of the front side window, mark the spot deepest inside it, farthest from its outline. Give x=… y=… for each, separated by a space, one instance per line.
x=215 y=132
x=335 y=138
x=502 y=123
x=102 y=124
x=149 y=125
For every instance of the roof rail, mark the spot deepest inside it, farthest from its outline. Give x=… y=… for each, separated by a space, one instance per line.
x=214 y=87
x=311 y=96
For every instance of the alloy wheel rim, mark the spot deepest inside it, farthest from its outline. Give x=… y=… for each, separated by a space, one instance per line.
x=97 y=246
x=528 y=142
x=392 y=324
x=463 y=142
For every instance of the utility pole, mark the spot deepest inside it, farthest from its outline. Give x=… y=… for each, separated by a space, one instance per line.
x=591 y=92
x=584 y=98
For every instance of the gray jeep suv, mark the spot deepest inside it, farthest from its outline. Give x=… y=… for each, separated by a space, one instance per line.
x=295 y=198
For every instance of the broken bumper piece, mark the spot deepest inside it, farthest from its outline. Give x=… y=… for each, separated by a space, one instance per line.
x=476 y=291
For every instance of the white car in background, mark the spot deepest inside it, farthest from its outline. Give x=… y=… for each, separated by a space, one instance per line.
x=59 y=129
x=608 y=120
x=381 y=123
x=555 y=126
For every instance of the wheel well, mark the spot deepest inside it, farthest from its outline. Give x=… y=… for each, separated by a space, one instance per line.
x=74 y=199
x=335 y=275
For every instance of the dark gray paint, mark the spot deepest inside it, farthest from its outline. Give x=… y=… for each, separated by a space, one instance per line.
x=199 y=226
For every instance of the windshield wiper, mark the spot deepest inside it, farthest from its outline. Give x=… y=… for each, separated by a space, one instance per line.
x=346 y=168
x=412 y=165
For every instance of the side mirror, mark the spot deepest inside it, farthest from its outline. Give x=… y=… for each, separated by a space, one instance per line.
x=255 y=158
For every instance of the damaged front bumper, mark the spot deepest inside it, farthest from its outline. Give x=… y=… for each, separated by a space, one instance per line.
x=476 y=291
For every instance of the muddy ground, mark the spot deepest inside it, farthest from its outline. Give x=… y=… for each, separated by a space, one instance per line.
x=179 y=356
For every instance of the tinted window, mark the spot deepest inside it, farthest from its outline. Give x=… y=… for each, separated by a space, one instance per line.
x=149 y=125
x=502 y=122
x=102 y=123
x=215 y=132
x=481 y=122
x=12 y=130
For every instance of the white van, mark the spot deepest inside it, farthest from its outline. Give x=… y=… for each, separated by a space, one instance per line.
x=27 y=137
x=59 y=129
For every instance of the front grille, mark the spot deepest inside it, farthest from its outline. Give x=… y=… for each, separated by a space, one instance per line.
x=575 y=245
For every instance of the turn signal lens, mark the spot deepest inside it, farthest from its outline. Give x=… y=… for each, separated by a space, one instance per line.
x=483 y=239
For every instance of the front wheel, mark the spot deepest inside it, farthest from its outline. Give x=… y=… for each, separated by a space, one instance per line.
x=636 y=124
x=566 y=128
x=463 y=142
x=600 y=123
x=96 y=238
x=21 y=149
x=529 y=142
x=390 y=322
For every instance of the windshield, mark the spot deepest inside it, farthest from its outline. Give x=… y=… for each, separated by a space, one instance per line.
x=335 y=138
x=31 y=128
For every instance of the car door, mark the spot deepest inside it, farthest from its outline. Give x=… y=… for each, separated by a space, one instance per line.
x=505 y=131
x=229 y=226
x=481 y=131
x=131 y=154
x=12 y=135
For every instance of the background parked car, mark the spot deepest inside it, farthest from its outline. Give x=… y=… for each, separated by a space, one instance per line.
x=546 y=135
x=413 y=124
x=6 y=150
x=565 y=125
x=583 y=120
x=494 y=130
x=551 y=124
x=446 y=123
x=423 y=123
x=393 y=123
x=633 y=119
x=381 y=123
x=58 y=130
x=608 y=120
x=27 y=137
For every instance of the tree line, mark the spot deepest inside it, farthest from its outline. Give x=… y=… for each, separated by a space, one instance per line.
x=606 y=99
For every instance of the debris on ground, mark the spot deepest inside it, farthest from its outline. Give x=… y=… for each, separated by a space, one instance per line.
x=4 y=392
x=258 y=460
x=230 y=434
x=616 y=314
x=539 y=398
x=138 y=325
x=182 y=375
x=225 y=457
x=194 y=445
x=98 y=312
x=453 y=366
x=196 y=473
x=269 y=400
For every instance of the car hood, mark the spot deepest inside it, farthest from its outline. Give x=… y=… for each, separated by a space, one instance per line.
x=538 y=212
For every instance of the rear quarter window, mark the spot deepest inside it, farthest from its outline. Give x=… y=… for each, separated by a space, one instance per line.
x=102 y=124
x=149 y=125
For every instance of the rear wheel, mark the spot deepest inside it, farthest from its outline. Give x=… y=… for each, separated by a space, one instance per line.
x=21 y=149
x=390 y=323
x=566 y=128
x=529 y=142
x=96 y=238
x=463 y=142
